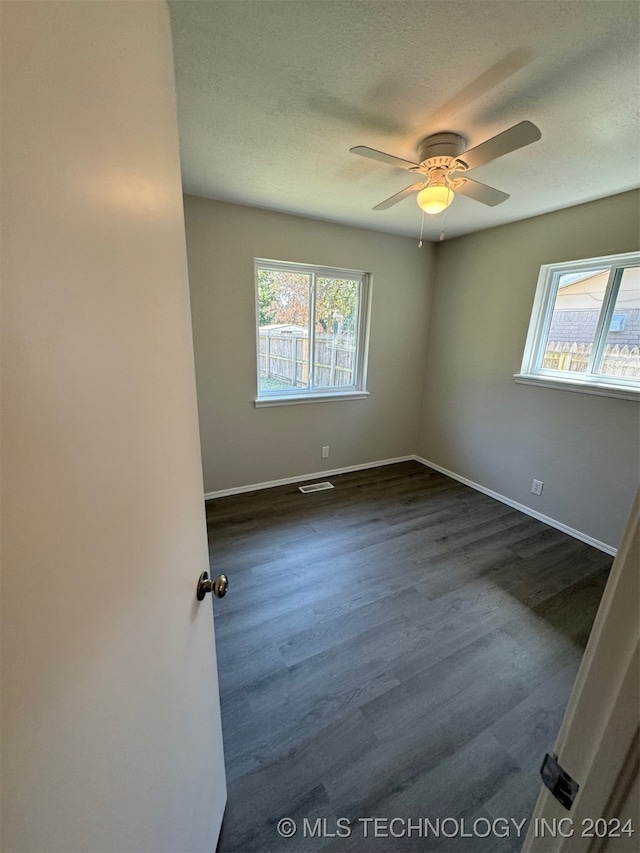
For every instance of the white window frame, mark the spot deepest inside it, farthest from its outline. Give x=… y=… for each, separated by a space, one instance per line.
x=533 y=373
x=355 y=391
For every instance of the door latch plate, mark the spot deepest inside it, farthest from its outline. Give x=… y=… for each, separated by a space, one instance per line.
x=558 y=781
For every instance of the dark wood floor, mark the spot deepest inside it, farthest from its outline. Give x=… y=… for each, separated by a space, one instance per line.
x=399 y=647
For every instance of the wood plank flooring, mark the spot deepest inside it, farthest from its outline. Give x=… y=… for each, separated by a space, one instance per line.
x=399 y=647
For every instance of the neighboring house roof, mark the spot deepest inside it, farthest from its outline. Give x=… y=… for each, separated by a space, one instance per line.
x=285 y=328
x=586 y=293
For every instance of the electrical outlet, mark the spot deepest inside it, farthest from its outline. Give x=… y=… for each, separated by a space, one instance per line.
x=536 y=487
x=325 y=452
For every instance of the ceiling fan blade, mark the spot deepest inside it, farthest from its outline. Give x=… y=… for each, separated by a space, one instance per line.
x=394 y=199
x=509 y=140
x=373 y=154
x=480 y=192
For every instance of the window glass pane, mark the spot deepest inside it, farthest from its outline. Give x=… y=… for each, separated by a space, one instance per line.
x=283 y=320
x=336 y=332
x=622 y=346
x=579 y=298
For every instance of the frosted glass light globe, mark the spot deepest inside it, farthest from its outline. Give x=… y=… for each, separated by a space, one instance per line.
x=435 y=199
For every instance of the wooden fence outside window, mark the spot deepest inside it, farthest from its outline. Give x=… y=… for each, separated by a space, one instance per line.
x=574 y=357
x=284 y=358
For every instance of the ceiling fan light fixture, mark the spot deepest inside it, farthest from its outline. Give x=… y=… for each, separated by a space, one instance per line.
x=435 y=199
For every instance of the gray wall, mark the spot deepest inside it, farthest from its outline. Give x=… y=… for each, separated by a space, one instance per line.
x=477 y=422
x=464 y=412
x=242 y=445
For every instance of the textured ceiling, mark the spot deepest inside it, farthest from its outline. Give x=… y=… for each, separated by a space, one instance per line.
x=271 y=96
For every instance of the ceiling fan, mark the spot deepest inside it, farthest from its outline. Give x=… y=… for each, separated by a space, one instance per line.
x=443 y=165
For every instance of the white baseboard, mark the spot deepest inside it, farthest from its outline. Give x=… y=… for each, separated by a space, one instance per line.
x=270 y=484
x=601 y=546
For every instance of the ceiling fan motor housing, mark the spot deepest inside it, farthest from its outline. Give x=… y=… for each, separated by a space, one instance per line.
x=446 y=145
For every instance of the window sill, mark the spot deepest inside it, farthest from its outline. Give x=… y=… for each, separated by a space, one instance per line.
x=295 y=399
x=601 y=389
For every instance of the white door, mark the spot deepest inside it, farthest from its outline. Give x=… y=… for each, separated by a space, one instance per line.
x=111 y=734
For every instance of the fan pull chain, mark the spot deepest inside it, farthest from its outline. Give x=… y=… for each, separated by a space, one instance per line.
x=444 y=224
x=421 y=230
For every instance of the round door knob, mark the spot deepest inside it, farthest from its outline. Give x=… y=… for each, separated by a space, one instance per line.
x=206 y=584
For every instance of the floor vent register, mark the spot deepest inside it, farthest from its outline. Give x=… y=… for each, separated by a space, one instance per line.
x=315 y=487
